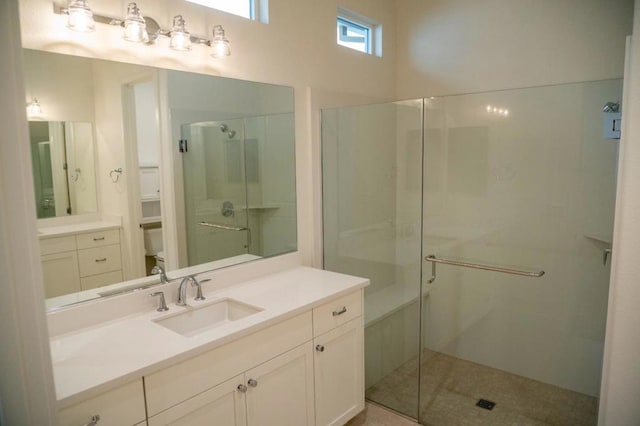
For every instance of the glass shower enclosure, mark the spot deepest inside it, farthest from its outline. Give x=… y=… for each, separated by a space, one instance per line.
x=518 y=182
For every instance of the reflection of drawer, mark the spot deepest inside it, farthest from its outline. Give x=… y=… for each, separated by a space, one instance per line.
x=337 y=312
x=99 y=260
x=100 y=280
x=120 y=406
x=98 y=239
x=57 y=244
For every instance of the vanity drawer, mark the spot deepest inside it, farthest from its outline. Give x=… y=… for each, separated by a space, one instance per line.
x=99 y=260
x=337 y=312
x=98 y=239
x=57 y=244
x=182 y=381
x=119 y=407
x=100 y=280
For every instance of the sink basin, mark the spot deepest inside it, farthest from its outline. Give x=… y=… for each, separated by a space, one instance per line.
x=197 y=320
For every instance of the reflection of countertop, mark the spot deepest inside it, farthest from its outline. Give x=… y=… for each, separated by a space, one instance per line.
x=131 y=285
x=89 y=361
x=70 y=229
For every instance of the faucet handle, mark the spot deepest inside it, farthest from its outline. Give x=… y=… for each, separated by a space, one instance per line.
x=163 y=304
x=195 y=283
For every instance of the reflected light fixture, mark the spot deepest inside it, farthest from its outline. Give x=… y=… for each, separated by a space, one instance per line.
x=80 y=16
x=135 y=27
x=180 y=37
x=33 y=108
x=220 y=45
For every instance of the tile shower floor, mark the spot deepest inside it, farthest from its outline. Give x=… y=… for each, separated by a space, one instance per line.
x=451 y=387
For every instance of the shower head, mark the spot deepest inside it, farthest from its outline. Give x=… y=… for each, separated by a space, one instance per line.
x=231 y=134
x=611 y=107
x=224 y=128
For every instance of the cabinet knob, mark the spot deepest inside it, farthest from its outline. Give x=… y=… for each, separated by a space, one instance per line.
x=242 y=388
x=253 y=383
x=94 y=420
x=320 y=348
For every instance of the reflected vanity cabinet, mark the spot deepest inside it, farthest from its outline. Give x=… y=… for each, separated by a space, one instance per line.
x=80 y=261
x=305 y=370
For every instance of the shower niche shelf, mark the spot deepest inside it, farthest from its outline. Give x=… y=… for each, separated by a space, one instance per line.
x=607 y=239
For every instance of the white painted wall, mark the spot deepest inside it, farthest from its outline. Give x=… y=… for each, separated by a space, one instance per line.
x=621 y=373
x=464 y=46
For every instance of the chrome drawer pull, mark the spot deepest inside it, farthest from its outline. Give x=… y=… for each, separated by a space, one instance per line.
x=253 y=383
x=104 y=259
x=94 y=420
x=340 y=312
x=99 y=239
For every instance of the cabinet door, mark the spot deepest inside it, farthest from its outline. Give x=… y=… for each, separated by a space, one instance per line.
x=280 y=391
x=339 y=375
x=123 y=406
x=222 y=405
x=60 y=271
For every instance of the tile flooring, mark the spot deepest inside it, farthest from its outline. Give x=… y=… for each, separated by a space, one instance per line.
x=450 y=388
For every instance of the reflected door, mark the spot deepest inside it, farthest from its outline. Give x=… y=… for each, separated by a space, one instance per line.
x=215 y=190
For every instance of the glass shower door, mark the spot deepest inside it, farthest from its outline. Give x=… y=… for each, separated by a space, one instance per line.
x=372 y=186
x=525 y=180
x=215 y=188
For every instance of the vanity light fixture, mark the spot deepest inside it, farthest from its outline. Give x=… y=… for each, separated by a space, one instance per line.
x=180 y=37
x=220 y=45
x=80 y=16
x=135 y=27
x=144 y=29
x=33 y=108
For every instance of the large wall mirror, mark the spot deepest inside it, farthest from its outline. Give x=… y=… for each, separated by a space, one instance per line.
x=194 y=172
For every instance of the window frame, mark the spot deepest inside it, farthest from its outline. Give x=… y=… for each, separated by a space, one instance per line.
x=374 y=31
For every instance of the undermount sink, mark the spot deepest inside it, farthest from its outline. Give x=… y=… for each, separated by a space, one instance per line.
x=197 y=320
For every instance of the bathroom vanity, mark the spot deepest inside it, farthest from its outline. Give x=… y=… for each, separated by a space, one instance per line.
x=80 y=256
x=282 y=349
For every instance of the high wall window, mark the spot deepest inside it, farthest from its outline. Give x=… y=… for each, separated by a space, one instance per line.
x=250 y=9
x=359 y=33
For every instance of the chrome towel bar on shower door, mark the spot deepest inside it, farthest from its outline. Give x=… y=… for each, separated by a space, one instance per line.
x=219 y=226
x=433 y=259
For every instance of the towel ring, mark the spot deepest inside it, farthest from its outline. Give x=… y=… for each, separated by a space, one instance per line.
x=117 y=173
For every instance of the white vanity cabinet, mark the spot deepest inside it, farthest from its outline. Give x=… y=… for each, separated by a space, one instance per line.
x=80 y=261
x=339 y=360
x=308 y=370
x=277 y=392
x=298 y=362
x=263 y=379
x=123 y=406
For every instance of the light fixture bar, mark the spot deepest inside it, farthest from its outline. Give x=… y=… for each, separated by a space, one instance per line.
x=153 y=28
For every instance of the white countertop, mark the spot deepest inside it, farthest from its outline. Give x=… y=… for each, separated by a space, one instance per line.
x=92 y=360
x=70 y=229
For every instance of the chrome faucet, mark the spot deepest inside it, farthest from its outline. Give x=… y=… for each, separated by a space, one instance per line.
x=158 y=270
x=182 y=290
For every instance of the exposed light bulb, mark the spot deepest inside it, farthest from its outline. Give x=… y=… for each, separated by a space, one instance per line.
x=489 y=108
x=219 y=45
x=33 y=108
x=180 y=37
x=506 y=112
x=135 y=28
x=80 y=16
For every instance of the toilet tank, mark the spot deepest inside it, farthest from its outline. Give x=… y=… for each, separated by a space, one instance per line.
x=152 y=241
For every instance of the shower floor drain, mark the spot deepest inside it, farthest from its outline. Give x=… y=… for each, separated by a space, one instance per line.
x=486 y=404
